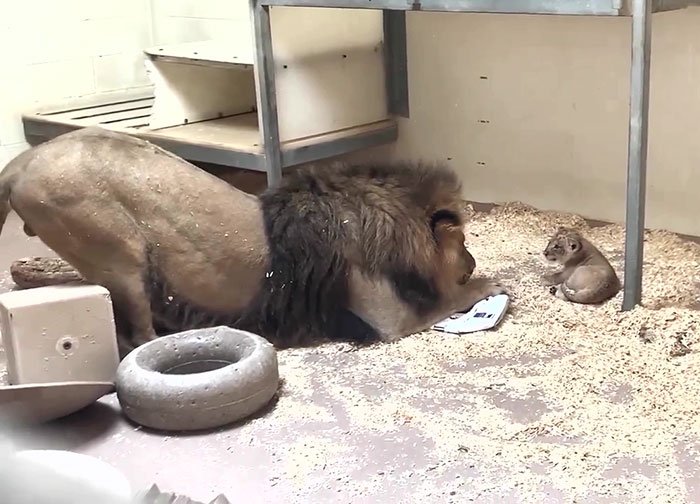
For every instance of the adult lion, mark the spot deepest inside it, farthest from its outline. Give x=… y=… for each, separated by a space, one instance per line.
x=340 y=251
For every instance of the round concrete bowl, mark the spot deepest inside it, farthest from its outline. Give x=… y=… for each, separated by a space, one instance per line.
x=198 y=379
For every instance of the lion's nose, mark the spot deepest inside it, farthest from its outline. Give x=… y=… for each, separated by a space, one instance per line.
x=471 y=263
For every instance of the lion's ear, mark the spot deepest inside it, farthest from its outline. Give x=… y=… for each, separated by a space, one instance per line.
x=447 y=234
x=444 y=216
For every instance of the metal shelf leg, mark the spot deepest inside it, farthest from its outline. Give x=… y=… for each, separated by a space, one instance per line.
x=396 y=62
x=637 y=156
x=265 y=83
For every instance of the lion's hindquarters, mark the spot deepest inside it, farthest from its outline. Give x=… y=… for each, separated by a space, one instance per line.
x=99 y=238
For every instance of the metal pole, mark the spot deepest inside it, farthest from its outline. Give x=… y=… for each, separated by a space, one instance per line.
x=396 y=62
x=267 y=98
x=637 y=155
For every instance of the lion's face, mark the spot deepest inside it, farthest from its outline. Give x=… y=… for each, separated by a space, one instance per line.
x=467 y=265
x=458 y=263
x=562 y=246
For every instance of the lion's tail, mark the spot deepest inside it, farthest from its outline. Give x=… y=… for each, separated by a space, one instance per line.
x=7 y=177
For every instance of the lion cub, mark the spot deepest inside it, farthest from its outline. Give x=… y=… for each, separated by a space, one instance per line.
x=587 y=276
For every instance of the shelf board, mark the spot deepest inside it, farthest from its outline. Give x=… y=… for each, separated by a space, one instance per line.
x=553 y=7
x=204 y=53
x=565 y=7
x=230 y=141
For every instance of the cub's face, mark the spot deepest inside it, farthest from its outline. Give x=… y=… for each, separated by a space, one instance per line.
x=562 y=246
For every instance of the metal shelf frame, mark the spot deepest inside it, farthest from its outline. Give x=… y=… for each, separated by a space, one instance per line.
x=640 y=12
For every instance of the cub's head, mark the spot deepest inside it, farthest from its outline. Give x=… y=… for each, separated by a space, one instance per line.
x=457 y=263
x=566 y=244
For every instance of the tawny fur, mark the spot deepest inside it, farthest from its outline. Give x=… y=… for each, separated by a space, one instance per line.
x=587 y=276
x=174 y=245
x=366 y=239
x=179 y=248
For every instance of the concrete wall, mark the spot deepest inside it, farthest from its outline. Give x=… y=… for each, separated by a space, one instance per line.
x=525 y=108
x=535 y=109
x=177 y=21
x=57 y=49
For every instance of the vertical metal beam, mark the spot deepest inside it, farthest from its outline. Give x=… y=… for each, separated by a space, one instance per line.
x=396 y=62
x=637 y=155
x=267 y=97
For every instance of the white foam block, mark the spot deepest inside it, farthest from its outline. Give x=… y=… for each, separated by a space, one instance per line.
x=484 y=315
x=59 y=333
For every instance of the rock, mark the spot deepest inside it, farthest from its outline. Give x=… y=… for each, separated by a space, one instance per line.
x=32 y=272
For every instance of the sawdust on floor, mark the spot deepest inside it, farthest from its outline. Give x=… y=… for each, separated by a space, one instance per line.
x=581 y=404
x=559 y=395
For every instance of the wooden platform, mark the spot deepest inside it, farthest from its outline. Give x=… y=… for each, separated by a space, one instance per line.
x=232 y=141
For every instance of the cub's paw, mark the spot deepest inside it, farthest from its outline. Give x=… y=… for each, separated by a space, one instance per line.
x=553 y=290
x=559 y=294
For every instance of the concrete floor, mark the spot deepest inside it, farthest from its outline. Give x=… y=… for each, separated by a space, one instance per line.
x=280 y=456
x=242 y=461
x=239 y=461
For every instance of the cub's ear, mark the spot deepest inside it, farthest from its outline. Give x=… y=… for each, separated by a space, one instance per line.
x=574 y=244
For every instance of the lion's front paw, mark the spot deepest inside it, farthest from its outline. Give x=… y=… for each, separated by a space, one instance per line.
x=478 y=290
x=487 y=288
x=494 y=289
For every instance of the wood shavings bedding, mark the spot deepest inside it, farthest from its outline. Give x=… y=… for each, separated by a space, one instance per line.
x=565 y=388
x=560 y=403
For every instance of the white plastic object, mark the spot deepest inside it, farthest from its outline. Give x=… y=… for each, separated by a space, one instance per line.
x=59 y=333
x=484 y=315
x=64 y=477
x=44 y=402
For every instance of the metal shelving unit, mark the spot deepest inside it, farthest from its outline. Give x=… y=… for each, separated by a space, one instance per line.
x=230 y=141
x=250 y=139
x=201 y=105
x=640 y=12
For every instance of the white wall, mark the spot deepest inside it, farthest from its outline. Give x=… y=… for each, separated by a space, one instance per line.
x=554 y=91
x=177 y=21
x=53 y=49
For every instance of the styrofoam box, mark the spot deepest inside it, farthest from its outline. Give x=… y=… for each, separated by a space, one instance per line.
x=59 y=333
